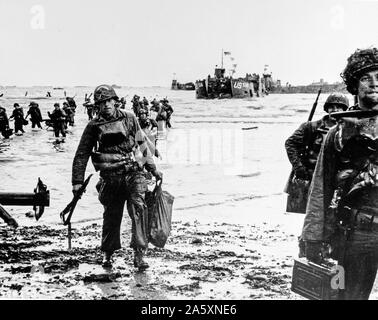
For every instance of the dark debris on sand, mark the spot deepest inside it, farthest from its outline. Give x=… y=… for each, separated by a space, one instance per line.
x=224 y=263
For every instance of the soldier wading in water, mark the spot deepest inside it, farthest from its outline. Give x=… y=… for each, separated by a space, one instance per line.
x=112 y=139
x=342 y=207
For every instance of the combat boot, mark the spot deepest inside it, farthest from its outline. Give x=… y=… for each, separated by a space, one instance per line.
x=107 y=260
x=138 y=259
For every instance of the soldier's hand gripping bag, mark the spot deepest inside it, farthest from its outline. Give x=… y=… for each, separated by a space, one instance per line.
x=159 y=205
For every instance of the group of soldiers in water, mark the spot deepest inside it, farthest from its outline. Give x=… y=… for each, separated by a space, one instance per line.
x=62 y=117
x=141 y=109
x=59 y=118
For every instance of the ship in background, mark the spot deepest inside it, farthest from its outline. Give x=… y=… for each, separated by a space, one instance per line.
x=221 y=86
x=181 y=86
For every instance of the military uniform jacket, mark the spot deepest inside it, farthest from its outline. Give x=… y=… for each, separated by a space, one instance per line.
x=18 y=114
x=304 y=144
x=320 y=222
x=127 y=140
x=35 y=113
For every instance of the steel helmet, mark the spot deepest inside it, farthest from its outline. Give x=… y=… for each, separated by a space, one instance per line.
x=104 y=92
x=142 y=111
x=359 y=62
x=337 y=98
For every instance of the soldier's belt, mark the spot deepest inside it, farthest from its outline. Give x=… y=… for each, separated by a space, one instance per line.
x=365 y=220
x=120 y=169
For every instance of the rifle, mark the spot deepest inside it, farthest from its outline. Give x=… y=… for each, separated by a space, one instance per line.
x=314 y=106
x=66 y=214
x=297 y=198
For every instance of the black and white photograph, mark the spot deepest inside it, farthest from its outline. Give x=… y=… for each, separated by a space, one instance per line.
x=213 y=150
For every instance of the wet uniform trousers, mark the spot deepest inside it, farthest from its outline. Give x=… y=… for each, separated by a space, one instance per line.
x=35 y=117
x=4 y=123
x=114 y=191
x=18 y=125
x=360 y=263
x=36 y=123
x=59 y=128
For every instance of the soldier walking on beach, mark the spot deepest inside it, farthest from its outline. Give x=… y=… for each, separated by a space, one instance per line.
x=115 y=136
x=302 y=148
x=58 y=118
x=19 y=120
x=35 y=115
x=342 y=207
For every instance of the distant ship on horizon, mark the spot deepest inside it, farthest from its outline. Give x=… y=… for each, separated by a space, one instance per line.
x=182 y=86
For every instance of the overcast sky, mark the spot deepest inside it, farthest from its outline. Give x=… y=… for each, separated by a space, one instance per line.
x=144 y=42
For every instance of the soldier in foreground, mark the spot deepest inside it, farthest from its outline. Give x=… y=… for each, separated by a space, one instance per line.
x=115 y=136
x=342 y=207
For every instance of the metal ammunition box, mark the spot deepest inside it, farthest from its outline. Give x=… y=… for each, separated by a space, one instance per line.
x=313 y=281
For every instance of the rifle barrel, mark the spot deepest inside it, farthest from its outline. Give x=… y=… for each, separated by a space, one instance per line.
x=314 y=106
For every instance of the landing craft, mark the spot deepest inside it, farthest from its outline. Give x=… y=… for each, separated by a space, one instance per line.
x=222 y=87
x=182 y=86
